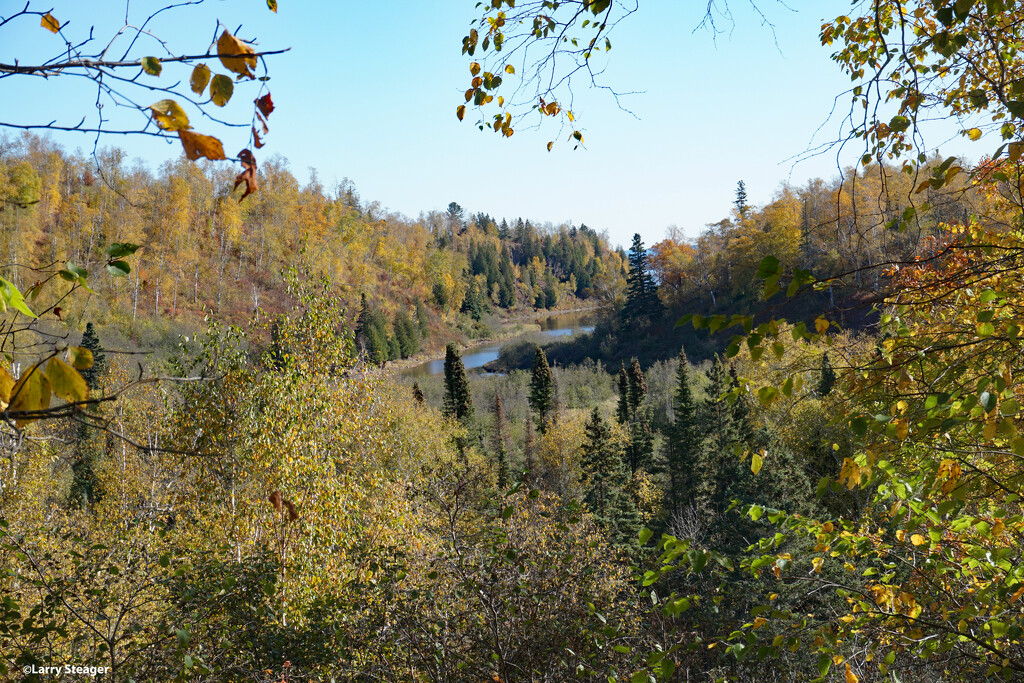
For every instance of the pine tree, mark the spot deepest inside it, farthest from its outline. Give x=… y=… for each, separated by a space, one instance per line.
x=499 y=441
x=642 y=302
x=827 y=378
x=542 y=390
x=605 y=482
x=457 y=400
x=741 y=200
x=622 y=411
x=91 y=341
x=683 y=447
x=417 y=393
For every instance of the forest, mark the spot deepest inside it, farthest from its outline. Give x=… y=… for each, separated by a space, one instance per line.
x=790 y=449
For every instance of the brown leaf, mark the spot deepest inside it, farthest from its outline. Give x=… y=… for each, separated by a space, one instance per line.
x=265 y=105
x=292 y=513
x=275 y=500
x=248 y=174
x=263 y=122
x=196 y=145
x=50 y=23
x=256 y=138
x=234 y=55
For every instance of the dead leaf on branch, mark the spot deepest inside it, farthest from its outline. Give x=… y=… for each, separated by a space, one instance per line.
x=196 y=145
x=265 y=104
x=248 y=174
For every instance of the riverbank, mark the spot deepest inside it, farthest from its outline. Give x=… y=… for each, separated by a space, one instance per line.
x=511 y=328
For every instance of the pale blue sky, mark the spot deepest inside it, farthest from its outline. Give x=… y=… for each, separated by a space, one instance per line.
x=369 y=92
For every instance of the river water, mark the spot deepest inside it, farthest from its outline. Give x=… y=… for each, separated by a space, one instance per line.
x=551 y=328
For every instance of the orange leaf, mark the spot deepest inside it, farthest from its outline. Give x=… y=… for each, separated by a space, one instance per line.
x=50 y=23
x=256 y=138
x=235 y=55
x=461 y=111
x=196 y=145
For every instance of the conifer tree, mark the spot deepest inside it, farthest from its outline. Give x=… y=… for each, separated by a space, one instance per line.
x=683 y=447
x=622 y=410
x=637 y=385
x=640 y=448
x=542 y=390
x=457 y=400
x=642 y=302
x=417 y=393
x=500 y=430
x=605 y=476
x=91 y=341
x=827 y=377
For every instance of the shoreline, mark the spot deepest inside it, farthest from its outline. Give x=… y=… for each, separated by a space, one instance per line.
x=510 y=328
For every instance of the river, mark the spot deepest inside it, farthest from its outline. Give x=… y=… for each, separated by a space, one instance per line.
x=552 y=327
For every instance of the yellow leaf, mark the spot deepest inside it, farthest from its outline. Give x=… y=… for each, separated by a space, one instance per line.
x=850 y=676
x=902 y=429
x=509 y=69
x=30 y=393
x=235 y=55
x=550 y=145
x=66 y=382
x=196 y=145
x=756 y=460
x=79 y=357
x=918 y=539
x=759 y=622
x=1014 y=150
x=974 y=133
x=474 y=68
x=200 y=77
x=820 y=324
x=461 y=111
x=817 y=562
x=50 y=23
x=169 y=115
x=6 y=384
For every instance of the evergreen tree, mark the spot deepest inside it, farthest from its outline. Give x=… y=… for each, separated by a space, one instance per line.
x=407 y=334
x=741 y=200
x=622 y=411
x=542 y=390
x=91 y=341
x=421 y=320
x=605 y=482
x=500 y=430
x=642 y=302
x=827 y=377
x=640 y=448
x=417 y=393
x=372 y=335
x=683 y=443
x=457 y=400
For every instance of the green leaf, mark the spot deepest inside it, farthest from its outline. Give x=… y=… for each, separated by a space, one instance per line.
x=118 y=268
x=755 y=463
x=645 y=535
x=221 y=89
x=272 y=4
x=507 y=512
x=898 y=124
x=824 y=663
x=121 y=249
x=755 y=512
x=768 y=267
x=988 y=401
x=152 y=66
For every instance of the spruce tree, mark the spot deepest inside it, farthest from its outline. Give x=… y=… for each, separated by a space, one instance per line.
x=640 y=448
x=642 y=302
x=605 y=482
x=500 y=429
x=91 y=341
x=741 y=200
x=683 y=447
x=827 y=377
x=457 y=400
x=622 y=410
x=542 y=390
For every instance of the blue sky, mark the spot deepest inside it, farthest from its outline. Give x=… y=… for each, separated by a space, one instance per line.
x=369 y=91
